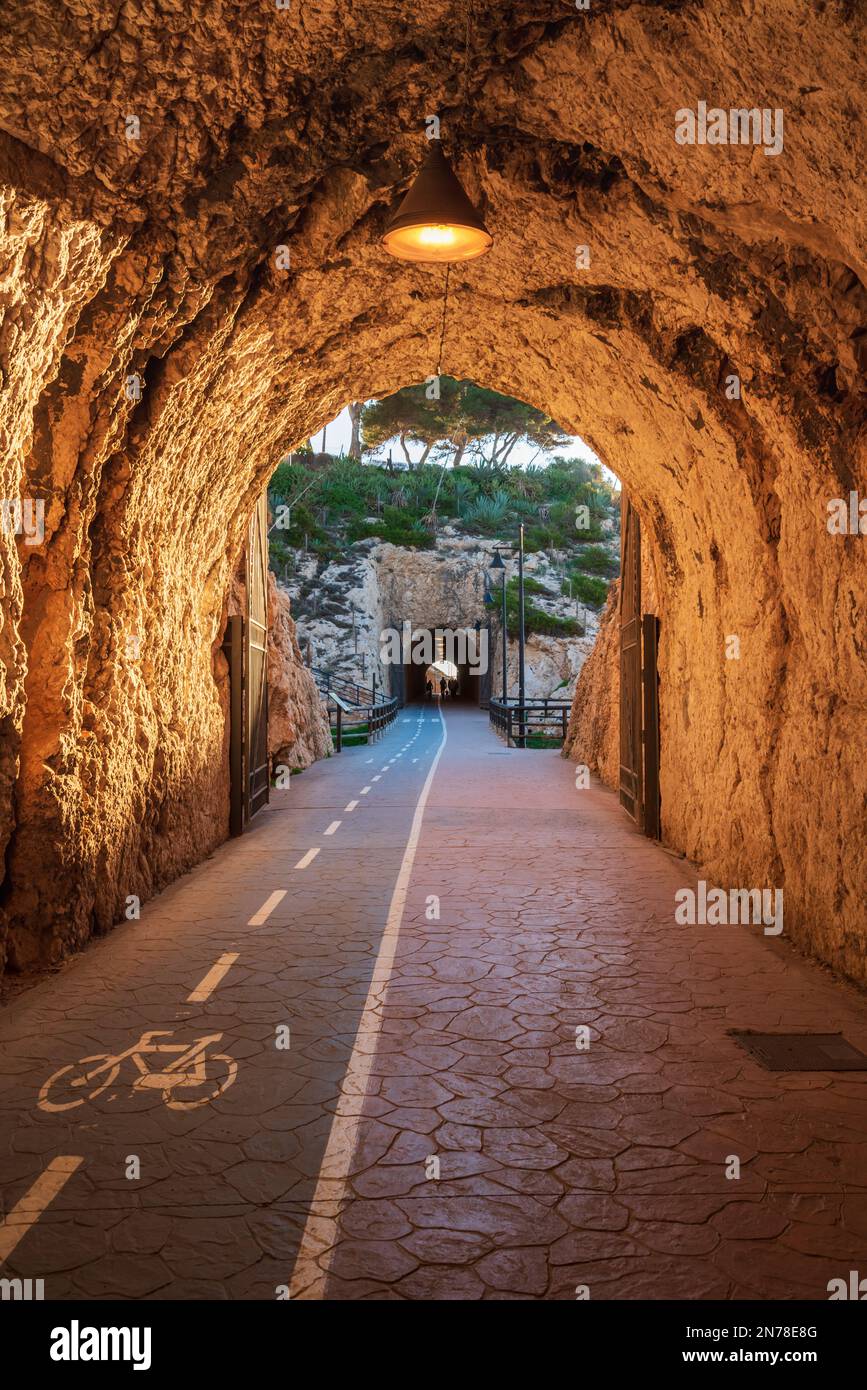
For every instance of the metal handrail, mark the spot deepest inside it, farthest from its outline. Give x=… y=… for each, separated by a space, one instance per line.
x=517 y=722
x=349 y=690
x=377 y=717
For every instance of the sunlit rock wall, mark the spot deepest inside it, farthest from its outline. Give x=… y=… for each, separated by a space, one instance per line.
x=298 y=728
x=593 y=736
x=151 y=248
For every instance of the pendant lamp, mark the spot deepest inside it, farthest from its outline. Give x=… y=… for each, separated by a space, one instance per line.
x=436 y=220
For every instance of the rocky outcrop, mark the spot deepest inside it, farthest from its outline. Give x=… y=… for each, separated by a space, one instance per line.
x=593 y=736
x=298 y=728
x=377 y=586
x=159 y=348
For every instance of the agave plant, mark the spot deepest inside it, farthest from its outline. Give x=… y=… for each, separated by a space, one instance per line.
x=462 y=490
x=488 y=511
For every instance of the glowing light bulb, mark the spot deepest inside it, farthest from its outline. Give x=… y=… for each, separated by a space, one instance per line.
x=436 y=236
x=440 y=241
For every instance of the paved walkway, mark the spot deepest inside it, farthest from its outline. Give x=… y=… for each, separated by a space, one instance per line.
x=392 y=1103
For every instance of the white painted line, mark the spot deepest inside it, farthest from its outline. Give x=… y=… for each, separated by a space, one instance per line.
x=351 y=807
x=267 y=908
x=415 y=760
x=309 y=1276
x=335 y=825
x=368 y=760
x=28 y=1210
x=307 y=858
x=364 y=791
x=206 y=988
x=376 y=778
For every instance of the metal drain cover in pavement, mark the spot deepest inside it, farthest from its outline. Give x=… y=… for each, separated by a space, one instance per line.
x=801 y=1051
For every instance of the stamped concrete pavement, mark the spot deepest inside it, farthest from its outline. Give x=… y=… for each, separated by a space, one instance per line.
x=391 y=1102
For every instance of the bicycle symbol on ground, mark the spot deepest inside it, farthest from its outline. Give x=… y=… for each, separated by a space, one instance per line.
x=193 y=1070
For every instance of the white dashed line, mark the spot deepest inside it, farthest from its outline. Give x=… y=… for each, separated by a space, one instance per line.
x=267 y=908
x=376 y=778
x=307 y=858
x=364 y=791
x=310 y=1275
x=28 y=1210
x=351 y=807
x=335 y=825
x=205 y=989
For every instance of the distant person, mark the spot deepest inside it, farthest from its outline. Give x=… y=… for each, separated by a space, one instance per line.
x=454 y=689
x=444 y=689
x=428 y=689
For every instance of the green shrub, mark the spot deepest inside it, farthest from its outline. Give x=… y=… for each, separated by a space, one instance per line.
x=532 y=586
x=589 y=589
x=598 y=560
x=405 y=532
x=536 y=619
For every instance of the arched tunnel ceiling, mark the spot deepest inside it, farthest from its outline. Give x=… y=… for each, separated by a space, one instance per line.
x=261 y=127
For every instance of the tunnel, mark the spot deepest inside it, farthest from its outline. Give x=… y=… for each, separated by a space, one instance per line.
x=456 y=682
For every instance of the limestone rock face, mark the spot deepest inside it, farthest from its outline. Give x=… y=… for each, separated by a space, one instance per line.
x=382 y=586
x=298 y=729
x=593 y=737
x=159 y=352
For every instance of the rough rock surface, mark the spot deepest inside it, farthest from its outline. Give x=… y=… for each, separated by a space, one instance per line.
x=154 y=158
x=298 y=730
x=593 y=736
x=384 y=585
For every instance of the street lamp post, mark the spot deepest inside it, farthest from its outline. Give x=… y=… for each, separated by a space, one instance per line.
x=497 y=564
x=505 y=641
x=521 y=690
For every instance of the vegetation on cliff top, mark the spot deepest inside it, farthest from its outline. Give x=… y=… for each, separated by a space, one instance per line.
x=321 y=504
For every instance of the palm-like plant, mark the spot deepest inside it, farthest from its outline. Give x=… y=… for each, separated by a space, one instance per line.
x=462 y=490
x=488 y=511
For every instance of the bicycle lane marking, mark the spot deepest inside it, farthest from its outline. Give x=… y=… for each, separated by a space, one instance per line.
x=206 y=987
x=320 y=1232
x=57 y=1173
x=28 y=1210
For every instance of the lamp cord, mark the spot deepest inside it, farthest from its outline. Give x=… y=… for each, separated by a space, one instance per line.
x=466 y=81
x=464 y=103
x=445 y=313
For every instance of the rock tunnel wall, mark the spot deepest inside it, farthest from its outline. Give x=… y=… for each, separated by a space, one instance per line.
x=155 y=162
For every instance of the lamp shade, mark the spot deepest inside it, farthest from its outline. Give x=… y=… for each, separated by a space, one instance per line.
x=496 y=563
x=436 y=220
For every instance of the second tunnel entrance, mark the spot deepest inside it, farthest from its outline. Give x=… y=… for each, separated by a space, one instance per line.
x=459 y=666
